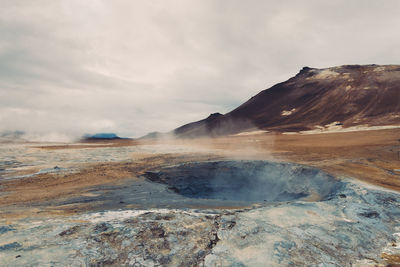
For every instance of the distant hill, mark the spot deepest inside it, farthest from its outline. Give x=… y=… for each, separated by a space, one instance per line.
x=12 y=136
x=153 y=135
x=101 y=136
x=347 y=95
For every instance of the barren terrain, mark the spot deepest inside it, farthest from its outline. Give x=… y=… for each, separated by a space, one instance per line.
x=371 y=156
x=204 y=201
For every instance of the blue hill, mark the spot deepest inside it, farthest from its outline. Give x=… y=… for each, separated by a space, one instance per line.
x=108 y=136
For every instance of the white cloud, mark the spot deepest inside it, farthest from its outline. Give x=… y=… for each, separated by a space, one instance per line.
x=140 y=66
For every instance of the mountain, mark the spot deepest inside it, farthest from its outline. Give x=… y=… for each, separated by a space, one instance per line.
x=348 y=95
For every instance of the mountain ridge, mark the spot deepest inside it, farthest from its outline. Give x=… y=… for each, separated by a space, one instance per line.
x=347 y=95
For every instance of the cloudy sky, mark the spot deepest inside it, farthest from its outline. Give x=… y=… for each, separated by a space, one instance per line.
x=73 y=67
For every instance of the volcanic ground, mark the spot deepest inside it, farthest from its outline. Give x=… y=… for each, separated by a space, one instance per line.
x=243 y=200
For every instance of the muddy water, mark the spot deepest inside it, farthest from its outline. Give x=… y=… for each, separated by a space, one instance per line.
x=212 y=184
x=247 y=181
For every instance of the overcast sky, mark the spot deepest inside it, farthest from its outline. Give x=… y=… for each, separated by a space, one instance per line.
x=131 y=67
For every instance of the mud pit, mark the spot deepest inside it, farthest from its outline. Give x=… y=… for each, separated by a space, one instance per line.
x=247 y=181
x=191 y=214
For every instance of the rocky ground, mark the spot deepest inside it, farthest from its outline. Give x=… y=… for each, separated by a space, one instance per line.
x=130 y=205
x=357 y=225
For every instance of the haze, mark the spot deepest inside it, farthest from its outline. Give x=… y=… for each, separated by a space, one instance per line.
x=131 y=67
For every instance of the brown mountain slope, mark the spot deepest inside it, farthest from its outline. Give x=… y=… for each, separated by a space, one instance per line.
x=347 y=95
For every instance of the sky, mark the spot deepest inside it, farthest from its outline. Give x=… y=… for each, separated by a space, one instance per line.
x=131 y=67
